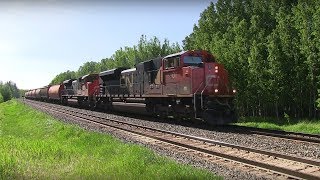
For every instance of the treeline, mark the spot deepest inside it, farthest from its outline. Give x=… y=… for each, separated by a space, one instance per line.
x=271 y=49
x=124 y=57
x=8 y=91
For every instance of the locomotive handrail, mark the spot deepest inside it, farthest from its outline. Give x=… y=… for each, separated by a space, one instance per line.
x=96 y=90
x=111 y=85
x=205 y=89
x=202 y=94
x=194 y=101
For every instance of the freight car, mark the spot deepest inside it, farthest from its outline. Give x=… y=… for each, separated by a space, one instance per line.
x=55 y=92
x=188 y=84
x=44 y=93
x=37 y=93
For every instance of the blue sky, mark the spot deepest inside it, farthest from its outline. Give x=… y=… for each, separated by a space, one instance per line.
x=40 y=39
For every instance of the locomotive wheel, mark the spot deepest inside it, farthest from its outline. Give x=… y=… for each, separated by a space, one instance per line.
x=107 y=105
x=92 y=105
x=151 y=108
x=177 y=116
x=65 y=101
x=80 y=102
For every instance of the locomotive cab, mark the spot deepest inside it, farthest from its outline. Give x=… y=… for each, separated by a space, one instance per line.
x=184 y=73
x=89 y=84
x=198 y=84
x=68 y=87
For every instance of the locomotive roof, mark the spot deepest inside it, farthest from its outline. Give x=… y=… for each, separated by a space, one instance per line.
x=182 y=52
x=128 y=70
x=176 y=54
x=68 y=81
x=112 y=71
x=85 y=76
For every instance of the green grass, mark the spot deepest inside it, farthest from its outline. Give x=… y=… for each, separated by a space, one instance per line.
x=304 y=126
x=35 y=146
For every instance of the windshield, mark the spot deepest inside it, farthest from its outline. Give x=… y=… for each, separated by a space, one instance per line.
x=192 y=60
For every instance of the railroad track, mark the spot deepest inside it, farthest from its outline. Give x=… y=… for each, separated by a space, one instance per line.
x=282 y=166
x=302 y=137
x=311 y=138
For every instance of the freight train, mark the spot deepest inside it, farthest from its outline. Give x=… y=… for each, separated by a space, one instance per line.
x=188 y=84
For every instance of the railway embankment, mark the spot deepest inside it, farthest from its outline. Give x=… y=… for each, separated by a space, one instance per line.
x=36 y=146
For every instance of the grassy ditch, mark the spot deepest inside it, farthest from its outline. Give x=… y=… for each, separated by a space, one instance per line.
x=34 y=145
x=304 y=126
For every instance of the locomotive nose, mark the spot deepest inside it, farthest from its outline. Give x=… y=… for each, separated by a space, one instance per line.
x=217 y=82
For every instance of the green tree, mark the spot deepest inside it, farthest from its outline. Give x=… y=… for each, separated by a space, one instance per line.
x=22 y=92
x=318 y=100
x=9 y=90
x=106 y=64
x=306 y=18
x=124 y=57
x=63 y=76
x=13 y=89
x=271 y=49
x=1 y=98
x=6 y=93
x=88 y=68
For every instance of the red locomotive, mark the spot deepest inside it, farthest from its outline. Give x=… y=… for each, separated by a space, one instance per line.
x=189 y=84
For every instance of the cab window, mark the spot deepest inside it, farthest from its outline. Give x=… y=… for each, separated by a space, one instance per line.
x=172 y=62
x=192 y=60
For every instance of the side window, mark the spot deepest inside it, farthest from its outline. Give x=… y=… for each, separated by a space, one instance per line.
x=80 y=83
x=172 y=62
x=166 y=64
x=128 y=79
x=149 y=77
x=132 y=78
x=176 y=61
x=122 y=81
